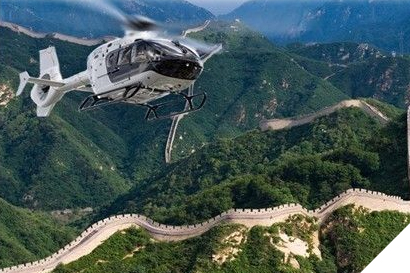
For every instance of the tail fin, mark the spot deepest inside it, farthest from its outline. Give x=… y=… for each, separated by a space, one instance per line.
x=44 y=92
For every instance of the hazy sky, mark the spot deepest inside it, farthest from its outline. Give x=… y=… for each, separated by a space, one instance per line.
x=218 y=7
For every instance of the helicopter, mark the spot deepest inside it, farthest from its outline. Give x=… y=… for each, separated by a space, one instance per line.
x=140 y=68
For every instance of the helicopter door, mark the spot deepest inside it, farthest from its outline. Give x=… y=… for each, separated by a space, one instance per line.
x=119 y=64
x=124 y=57
x=111 y=63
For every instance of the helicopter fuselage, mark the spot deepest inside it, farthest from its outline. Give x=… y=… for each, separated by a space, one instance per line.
x=137 y=69
x=158 y=66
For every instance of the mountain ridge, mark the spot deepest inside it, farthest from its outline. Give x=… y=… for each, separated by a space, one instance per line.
x=383 y=23
x=87 y=19
x=374 y=201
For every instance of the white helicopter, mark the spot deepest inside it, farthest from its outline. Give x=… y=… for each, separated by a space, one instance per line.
x=138 y=69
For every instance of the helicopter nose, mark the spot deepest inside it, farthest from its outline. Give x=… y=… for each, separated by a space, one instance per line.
x=187 y=69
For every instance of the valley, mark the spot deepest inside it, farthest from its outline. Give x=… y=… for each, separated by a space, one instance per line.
x=297 y=161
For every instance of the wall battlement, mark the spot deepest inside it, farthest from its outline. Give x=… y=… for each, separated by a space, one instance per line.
x=103 y=229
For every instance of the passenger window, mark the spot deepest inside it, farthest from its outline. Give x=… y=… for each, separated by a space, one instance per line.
x=125 y=56
x=112 y=59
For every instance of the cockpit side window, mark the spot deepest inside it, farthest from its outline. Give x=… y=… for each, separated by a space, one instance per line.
x=125 y=56
x=139 y=53
x=112 y=59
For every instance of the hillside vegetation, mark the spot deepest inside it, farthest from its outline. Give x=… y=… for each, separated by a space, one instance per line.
x=26 y=236
x=382 y=23
x=356 y=236
x=359 y=70
x=111 y=158
x=350 y=239
x=250 y=80
x=71 y=159
x=88 y=159
x=107 y=151
x=309 y=165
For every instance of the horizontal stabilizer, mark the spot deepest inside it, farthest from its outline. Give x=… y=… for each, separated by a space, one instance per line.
x=46 y=82
x=25 y=78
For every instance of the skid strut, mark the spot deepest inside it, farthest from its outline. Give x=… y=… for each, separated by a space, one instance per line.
x=152 y=113
x=103 y=99
x=100 y=100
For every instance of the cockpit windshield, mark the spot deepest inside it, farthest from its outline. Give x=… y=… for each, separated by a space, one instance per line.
x=144 y=52
x=165 y=57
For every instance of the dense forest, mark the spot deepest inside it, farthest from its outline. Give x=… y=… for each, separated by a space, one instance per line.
x=28 y=236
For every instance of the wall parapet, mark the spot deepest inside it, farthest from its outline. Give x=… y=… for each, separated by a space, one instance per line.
x=261 y=216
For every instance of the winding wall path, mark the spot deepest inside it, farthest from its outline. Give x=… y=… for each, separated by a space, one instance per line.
x=279 y=124
x=59 y=36
x=102 y=230
x=177 y=119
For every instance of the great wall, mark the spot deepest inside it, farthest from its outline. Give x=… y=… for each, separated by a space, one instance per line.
x=177 y=119
x=97 y=233
x=58 y=36
x=279 y=124
x=102 y=230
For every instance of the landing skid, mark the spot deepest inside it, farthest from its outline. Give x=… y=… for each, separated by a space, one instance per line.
x=152 y=113
x=100 y=100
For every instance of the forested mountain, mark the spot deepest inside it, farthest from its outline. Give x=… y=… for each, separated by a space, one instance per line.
x=359 y=70
x=91 y=19
x=113 y=149
x=71 y=159
x=94 y=157
x=278 y=20
x=249 y=81
x=28 y=236
x=382 y=23
x=308 y=165
x=111 y=158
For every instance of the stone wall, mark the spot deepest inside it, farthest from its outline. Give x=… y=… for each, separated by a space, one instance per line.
x=102 y=230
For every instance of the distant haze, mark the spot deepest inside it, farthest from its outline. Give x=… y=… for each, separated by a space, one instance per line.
x=218 y=7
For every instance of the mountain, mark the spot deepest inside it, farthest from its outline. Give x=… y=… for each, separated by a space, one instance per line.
x=28 y=236
x=279 y=20
x=72 y=159
x=249 y=81
x=116 y=152
x=109 y=158
x=108 y=152
x=359 y=70
x=382 y=23
x=308 y=165
x=349 y=240
x=90 y=19
x=337 y=53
